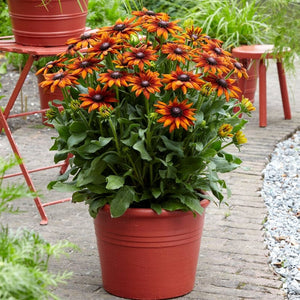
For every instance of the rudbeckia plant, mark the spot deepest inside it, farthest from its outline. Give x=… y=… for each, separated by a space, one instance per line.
x=149 y=111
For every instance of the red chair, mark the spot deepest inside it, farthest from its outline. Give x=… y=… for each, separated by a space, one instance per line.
x=261 y=53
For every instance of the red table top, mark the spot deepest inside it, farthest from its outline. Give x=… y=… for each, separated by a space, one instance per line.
x=9 y=45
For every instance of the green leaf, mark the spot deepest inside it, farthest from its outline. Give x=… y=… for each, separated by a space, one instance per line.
x=173 y=146
x=79 y=196
x=192 y=203
x=114 y=182
x=77 y=127
x=122 y=200
x=224 y=166
x=139 y=146
x=76 y=138
x=156 y=207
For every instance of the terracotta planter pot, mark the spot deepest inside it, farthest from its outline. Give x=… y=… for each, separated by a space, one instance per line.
x=34 y=25
x=46 y=96
x=148 y=256
x=248 y=86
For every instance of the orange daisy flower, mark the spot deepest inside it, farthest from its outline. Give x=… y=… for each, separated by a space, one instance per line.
x=162 y=26
x=215 y=49
x=145 y=14
x=122 y=29
x=193 y=35
x=117 y=78
x=145 y=82
x=84 y=65
x=239 y=69
x=182 y=79
x=59 y=79
x=121 y=62
x=210 y=63
x=58 y=63
x=176 y=114
x=223 y=86
x=140 y=56
x=105 y=45
x=85 y=40
x=179 y=52
x=96 y=98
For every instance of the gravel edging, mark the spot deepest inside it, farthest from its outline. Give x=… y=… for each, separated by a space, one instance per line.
x=281 y=193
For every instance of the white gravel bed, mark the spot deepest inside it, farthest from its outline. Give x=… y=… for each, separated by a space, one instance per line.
x=281 y=193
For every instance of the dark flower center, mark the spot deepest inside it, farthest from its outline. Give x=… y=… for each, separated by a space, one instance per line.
x=145 y=83
x=140 y=55
x=119 y=27
x=218 y=51
x=85 y=64
x=183 y=77
x=116 y=75
x=178 y=50
x=104 y=46
x=85 y=36
x=194 y=36
x=238 y=65
x=211 y=61
x=98 y=98
x=163 y=24
x=222 y=82
x=176 y=112
x=58 y=76
x=207 y=37
x=150 y=13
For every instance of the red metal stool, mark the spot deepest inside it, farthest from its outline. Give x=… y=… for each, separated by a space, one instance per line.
x=262 y=52
x=34 y=53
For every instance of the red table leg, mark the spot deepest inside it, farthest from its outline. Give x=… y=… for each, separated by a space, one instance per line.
x=262 y=94
x=284 y=91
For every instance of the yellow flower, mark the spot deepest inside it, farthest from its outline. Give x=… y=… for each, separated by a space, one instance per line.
x=240 y=138
x=225 y=130
x=247 y=104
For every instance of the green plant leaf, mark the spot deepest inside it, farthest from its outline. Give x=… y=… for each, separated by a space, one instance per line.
x=139 y=146
x=122 y=200
x=114 y=182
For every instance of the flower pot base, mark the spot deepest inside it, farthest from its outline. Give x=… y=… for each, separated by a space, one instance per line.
x=148 y=256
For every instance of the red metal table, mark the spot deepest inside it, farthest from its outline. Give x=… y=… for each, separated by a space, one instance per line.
x=34 y=53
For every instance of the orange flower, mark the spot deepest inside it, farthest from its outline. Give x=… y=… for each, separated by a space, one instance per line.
x=210 y=63
x=175 y=51
x=145 y=82
x=83 y=65
x=85 y=40
x=122 y=29
x=182 y=79
x=194 y=36
x=59 y=79
x=239 y=69
x=223 y=86
x=117 y=78
x=140 y=56
x=146 y=14
x=162 y=26
x=105 y=45
x=175 y=114
x=58 y=63
x=215 y=49
x=96 y=98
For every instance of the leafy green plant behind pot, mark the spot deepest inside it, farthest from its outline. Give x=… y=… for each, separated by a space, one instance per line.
x=24 y=255
x=149 y=111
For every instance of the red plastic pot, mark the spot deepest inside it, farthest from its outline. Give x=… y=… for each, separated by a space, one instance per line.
x=46 y=96
x=248 y=86
x=34 y=25
x=144 y=255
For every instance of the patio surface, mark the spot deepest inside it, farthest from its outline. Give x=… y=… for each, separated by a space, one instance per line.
x=233 y=261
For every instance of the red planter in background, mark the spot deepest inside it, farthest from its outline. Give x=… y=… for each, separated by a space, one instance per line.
x=34 y=25
x=248 y=86
x=144 y=255
x=46 y=96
